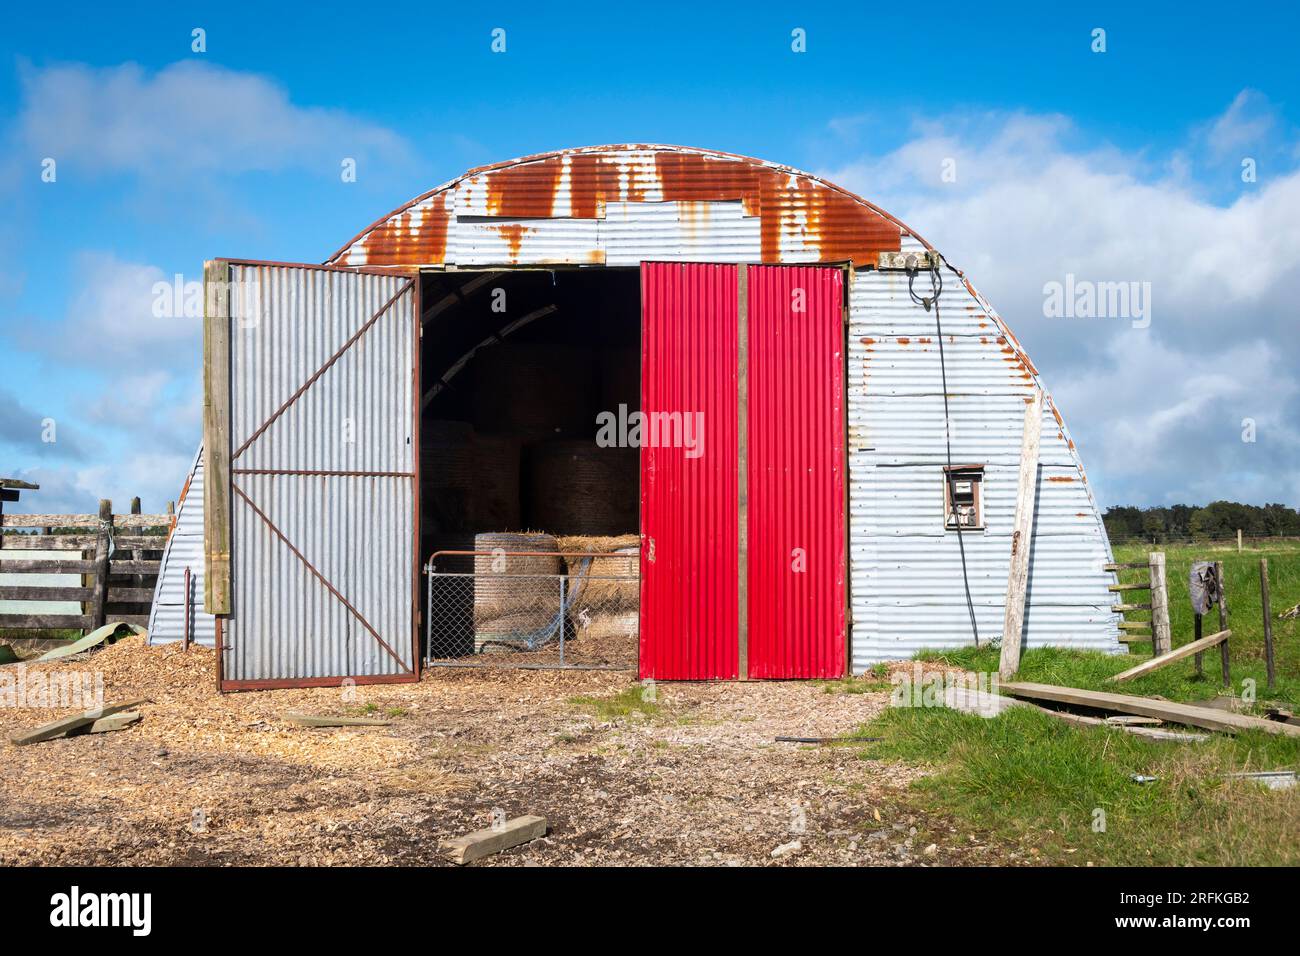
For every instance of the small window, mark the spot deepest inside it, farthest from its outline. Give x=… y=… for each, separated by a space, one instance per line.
x=963 y=498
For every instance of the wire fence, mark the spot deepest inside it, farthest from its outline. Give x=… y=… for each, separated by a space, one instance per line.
x=533 y=610
x=1212 y=541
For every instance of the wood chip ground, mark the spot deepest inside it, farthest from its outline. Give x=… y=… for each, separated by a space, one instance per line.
x=210 y=779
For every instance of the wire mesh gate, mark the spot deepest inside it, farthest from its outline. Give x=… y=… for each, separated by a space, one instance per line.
x=533 y=609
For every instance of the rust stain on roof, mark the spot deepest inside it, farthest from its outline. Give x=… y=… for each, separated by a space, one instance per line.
x=526 y=191
x=796 y=211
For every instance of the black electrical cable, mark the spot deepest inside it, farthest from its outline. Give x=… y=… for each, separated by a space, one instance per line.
x=936 y=287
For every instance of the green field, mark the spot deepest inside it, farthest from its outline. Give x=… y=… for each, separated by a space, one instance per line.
x=1036 y=782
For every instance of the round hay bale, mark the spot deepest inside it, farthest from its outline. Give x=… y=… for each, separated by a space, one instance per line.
x=535 y=391
x=611 y=585
x=579 y=488
x=495 y=502
x=504 y=583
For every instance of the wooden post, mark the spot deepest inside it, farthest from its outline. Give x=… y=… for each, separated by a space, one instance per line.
x=1223 y=621
x=1022 y=536
x=742 y=458
x=1239 y=541
x=99 y=592
x=1161 y=636
x=216 y=437
x=137 y=581
x=1268 y=621
x=1196 y=636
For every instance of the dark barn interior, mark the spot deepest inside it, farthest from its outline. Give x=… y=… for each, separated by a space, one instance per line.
x=515 y=367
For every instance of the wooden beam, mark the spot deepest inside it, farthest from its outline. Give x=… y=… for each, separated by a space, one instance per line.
x=41 y=593
x=45 y=622
x=1121 y=608
x=1129 y=587
x=1022 y=537
x=83 y=521
x=1168 y=711
x=1223 y=621
x=47 y=566
x=1187 y=650
x=216 y=437
x=1162 y=636
x=99 y=596
x=483 y=843
x=60 y=727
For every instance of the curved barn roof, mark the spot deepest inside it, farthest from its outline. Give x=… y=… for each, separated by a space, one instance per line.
x=793 y=215
x=619 y=205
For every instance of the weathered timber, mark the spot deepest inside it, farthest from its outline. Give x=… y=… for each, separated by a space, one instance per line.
x=60 y=727
x=1187 y=650
x=483 y=843
x=1022 y=537
x=1168 y=711
x=216 y=437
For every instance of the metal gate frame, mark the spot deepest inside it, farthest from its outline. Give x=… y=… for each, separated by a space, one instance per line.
x=221 y=472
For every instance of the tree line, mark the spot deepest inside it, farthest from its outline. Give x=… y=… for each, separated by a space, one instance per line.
x=1218 y=519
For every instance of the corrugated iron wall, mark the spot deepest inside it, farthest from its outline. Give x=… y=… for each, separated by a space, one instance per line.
x=905 y=569
x=323 y=516
x=796 y=561
x=184 y=550
x=622 y=205
x=689 y=503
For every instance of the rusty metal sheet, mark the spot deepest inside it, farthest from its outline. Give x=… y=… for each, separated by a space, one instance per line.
x=799 y=217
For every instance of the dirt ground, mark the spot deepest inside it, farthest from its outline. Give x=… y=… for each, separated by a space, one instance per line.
x=206 y=778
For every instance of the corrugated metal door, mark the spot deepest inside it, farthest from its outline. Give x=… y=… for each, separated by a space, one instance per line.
x=689 y=495
x=795 y=449
x=322 y=399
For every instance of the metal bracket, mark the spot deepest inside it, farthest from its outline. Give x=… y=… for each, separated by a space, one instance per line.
x=909 y=261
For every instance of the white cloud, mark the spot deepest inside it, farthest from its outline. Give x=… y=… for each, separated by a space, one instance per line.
x=111 y=318
x=1033 y=201
x=188 y=117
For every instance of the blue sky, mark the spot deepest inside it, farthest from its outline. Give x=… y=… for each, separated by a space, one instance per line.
x=1117 y=165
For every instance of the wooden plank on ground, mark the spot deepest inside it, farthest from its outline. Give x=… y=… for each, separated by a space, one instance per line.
x=1168 y=711
x=1187 y=650
x=60 y=727
x=1022 y=536
x=971 y=701
x=483 y=843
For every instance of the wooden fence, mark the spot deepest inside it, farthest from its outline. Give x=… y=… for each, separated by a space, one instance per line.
x=117 y=558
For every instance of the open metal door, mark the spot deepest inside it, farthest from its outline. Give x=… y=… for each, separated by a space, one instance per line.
x=323 y=381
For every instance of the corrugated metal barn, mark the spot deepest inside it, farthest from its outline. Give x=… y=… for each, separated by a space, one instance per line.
x=848 y=495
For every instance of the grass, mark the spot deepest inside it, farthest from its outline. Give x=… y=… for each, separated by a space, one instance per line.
x=1033 y=779
x=626 y=702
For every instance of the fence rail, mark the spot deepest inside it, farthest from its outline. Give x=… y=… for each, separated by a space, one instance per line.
x=116 y=571
x=533 y=609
